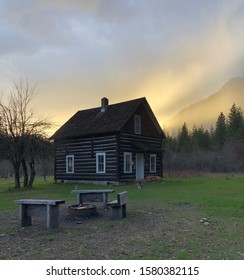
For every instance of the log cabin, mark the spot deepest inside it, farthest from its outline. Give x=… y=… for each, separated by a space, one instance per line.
x=112 y=143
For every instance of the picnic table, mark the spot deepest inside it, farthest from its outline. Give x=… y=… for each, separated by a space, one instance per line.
x=46 y=209
x=97 y=197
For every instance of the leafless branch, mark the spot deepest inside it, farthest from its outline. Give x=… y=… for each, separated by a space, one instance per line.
x=18 y=123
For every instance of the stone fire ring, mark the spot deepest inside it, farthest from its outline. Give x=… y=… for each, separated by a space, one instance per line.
x=82 y=210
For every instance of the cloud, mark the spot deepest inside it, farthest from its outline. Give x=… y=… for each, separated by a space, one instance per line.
x=41 y=24
x=173 y=52
x=13 y=41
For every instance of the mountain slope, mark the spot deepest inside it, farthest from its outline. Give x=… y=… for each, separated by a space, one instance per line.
x=206 y=111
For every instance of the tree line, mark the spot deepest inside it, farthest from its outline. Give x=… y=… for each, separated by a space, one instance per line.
x=218 y=149
x=23 y=138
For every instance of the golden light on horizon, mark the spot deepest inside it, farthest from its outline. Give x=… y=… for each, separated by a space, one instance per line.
x=78 y=52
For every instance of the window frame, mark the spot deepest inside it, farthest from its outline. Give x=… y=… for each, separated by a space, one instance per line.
x=103 y=154
x=153 y=162
x=126 y=171
x=68 y=171
x=137 y=124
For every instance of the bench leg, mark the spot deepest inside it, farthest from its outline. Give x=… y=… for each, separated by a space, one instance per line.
x=79 y=198
x=118 y=212
x=124 y=210
x=23 y=218
x=105 y=200
x=52 y=216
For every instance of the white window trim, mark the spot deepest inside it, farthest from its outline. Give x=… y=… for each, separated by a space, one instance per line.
x=73 y=164
x=125 y=155
x=154 y=158
x=104 y=163
x=137 y=124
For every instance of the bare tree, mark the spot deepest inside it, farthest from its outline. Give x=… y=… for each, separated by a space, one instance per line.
x=19 y=127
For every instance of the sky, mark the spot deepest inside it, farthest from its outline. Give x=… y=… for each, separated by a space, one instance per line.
x=173 y=52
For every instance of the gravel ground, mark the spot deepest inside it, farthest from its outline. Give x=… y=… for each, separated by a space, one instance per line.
x=167 y=232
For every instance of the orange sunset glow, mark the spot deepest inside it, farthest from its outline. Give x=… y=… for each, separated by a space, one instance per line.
x=174 y=53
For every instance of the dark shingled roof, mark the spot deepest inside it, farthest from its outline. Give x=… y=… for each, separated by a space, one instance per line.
x=93 y=121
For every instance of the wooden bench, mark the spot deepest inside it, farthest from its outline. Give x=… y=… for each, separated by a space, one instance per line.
x=119 y=206
x=46 y=209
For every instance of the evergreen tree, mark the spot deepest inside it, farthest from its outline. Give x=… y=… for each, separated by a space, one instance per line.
x=212 y=132
x=171 y=142
x=194 y=136
x=205 y=140
x=235 y=121
x=184 y=139
x=220 y=130
x=201 y=138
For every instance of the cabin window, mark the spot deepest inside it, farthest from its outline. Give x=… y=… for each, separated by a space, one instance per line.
x=127 y=162
x=152 y=163
x=70 y=164
x=137 y=124
x=101 y=162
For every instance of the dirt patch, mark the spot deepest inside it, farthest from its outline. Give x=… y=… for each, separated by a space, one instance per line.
x=166 y=232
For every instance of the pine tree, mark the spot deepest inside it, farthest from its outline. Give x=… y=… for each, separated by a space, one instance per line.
x=201 y=138
x=235 y=121
x=184 y=139
x=220 y=130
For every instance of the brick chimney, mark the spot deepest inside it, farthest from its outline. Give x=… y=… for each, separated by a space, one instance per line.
x=104 y=104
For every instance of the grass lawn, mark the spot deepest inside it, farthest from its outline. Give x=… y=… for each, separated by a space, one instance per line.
x=165 y=221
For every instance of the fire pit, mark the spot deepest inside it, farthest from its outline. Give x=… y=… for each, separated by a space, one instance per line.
x=82 y=210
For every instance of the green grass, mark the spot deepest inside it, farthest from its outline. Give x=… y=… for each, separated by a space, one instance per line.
x=182 y=203
x=194 y=189
x=41 y=190
x=219 y=196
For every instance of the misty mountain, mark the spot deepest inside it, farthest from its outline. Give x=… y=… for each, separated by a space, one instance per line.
x=206 y=111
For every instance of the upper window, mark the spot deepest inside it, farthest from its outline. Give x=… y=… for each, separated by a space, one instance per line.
x=152 y=163
x=70 y=164
x=100 y=162
x=127 y=162
x=137 y=124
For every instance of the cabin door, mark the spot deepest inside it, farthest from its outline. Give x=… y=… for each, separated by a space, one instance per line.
x=139 y=166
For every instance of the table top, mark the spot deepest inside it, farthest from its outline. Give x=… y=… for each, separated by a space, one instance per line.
x=40 y=201
x=92 y=191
